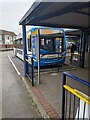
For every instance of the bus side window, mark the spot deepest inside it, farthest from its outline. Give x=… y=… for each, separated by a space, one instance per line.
x=42 y=43
x=49 y=45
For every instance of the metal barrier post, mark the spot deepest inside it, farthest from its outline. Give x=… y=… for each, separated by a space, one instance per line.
x=63 y=95
x=82 y=48
x=32 y=71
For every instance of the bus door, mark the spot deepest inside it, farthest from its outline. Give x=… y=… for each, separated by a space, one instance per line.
x=59 y=44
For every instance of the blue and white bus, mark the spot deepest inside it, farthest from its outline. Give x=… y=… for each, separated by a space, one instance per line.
x=52 y=46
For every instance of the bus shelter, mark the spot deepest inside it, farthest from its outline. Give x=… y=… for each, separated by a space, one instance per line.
x=73 y=15
x=59 y=15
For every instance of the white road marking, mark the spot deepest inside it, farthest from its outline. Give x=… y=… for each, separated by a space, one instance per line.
x=14 y=65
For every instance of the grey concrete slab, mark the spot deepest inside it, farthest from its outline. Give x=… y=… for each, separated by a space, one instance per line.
x=15 y=99
x=51 y=84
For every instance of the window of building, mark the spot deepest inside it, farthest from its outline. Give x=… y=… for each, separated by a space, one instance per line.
x=8 y=39
x=0 y=39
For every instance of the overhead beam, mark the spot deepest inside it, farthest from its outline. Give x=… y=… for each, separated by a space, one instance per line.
x=56 y=25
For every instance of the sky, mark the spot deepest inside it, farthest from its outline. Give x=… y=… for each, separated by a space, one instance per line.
x=11 y=13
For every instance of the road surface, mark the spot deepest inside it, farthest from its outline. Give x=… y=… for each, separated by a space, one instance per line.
x=15 y=99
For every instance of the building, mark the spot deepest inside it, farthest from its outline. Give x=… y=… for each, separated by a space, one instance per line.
x=18 y=41
x=6 y=39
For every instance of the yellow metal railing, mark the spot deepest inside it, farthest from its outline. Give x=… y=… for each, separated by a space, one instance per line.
x=76 y=93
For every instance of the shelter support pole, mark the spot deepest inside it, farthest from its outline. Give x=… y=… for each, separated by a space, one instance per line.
x=38 y=58
x=82 y=49
x=24 y=50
